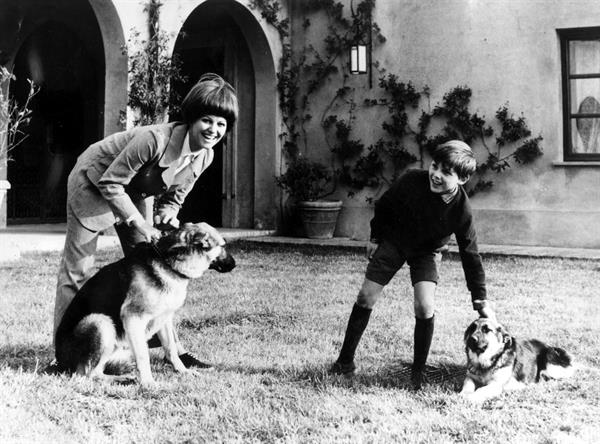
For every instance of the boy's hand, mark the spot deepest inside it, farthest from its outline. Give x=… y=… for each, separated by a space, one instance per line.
x=371 y=247
x=487 y=312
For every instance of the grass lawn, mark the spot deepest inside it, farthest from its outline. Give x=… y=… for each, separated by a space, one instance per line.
x=274 y=325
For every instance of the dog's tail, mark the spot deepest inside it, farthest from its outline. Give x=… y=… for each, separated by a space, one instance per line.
x=558 y=356
x=120 y=363
x=84 y=349
x=558 y=364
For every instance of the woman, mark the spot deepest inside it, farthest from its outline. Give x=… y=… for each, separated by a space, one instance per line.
x=114 y=180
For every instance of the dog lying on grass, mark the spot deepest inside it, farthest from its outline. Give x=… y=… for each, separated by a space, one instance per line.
x=125 y=303
x=496 y=361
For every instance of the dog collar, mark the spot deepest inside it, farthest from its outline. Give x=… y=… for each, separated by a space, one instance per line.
x=164 y=261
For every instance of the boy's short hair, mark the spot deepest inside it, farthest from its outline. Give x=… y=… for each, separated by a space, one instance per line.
x=458 y=155
x=211 y=95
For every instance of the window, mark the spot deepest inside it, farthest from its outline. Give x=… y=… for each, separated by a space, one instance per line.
x=580 y=53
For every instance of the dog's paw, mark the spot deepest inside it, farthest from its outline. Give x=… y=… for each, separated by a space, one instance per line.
x=468 y=387
x=193 y=373
x=180 y=368
x=475 y=398
x=148 y=383
x=126 y=379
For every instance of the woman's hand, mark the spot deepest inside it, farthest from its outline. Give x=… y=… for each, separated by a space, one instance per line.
x=148 y=231
x=371 y=248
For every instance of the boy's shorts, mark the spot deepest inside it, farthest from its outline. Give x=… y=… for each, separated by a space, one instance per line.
x=388 y=259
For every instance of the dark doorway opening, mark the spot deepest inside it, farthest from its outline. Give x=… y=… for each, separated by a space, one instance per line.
x=64 y=121
x=203 y=203
x=212 y=41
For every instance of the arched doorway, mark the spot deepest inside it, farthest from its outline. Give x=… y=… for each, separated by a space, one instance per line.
x=211 y=41
x=65 y=120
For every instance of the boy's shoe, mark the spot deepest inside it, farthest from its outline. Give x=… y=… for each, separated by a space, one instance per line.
x=418 y=379
x=343 y=368
x=52 y=368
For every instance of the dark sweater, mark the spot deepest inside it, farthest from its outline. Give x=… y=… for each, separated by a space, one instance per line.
x=417 y=220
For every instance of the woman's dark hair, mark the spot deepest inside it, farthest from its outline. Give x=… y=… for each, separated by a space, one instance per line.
x=211 y=95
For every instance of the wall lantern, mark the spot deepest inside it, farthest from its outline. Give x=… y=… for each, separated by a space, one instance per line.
x=358 y=58
x=360 y=50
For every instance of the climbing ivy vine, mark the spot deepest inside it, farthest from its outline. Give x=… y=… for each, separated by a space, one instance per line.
x=151 y=71
x=408 y=134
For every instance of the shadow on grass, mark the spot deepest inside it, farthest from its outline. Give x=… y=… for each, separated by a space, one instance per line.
x=29 y=358
x=447 y=377
x=40 y=359
x=267 y=318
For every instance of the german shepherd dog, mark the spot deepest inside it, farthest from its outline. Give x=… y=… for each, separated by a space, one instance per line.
x=125 y=303
x=496 y=361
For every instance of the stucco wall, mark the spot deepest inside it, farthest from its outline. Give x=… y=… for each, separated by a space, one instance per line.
x=505 y=51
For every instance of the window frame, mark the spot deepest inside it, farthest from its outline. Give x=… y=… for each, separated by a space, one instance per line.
x=566 y=36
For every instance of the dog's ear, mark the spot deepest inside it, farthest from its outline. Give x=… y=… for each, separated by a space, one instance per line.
x=204 y=240
x=182 y=237
x=212 y=232
x=507 y=339
x=470 y=330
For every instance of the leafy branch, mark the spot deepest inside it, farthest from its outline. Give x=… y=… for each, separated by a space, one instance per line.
x=152 y=71
x=459 y=123
x=14 y=116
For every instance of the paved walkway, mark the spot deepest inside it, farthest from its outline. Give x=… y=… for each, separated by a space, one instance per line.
x=19 y=239
x=506 y=250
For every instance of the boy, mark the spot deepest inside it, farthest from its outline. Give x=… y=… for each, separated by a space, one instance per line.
x=412 y=221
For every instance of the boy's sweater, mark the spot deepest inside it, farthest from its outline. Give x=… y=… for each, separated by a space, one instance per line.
x=417 y=220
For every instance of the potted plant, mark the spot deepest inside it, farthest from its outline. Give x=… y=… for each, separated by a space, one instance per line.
x=307 y=182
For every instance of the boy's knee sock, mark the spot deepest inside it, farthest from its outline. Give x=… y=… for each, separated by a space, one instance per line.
x=359 y=318
x=423 y=336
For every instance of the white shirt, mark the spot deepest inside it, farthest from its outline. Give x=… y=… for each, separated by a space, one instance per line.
x=449 y=197
x=186 y=158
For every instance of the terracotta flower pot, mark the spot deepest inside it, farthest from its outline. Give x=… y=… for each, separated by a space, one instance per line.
x=319 y=218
